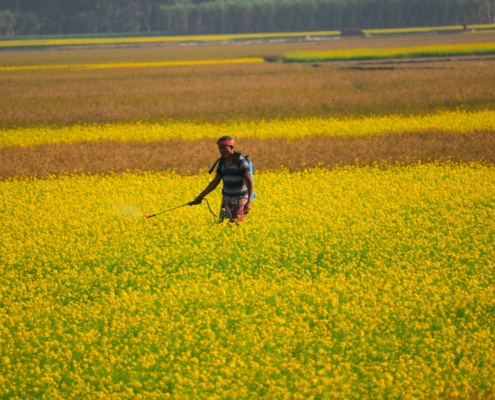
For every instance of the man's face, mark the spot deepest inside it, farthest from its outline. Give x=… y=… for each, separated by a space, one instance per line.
x=225 y=150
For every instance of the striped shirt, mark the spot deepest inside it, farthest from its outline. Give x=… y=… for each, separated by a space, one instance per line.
x=234 y=185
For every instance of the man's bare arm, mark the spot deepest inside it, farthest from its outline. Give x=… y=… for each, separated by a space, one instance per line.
x=211 y=186
x=250 y=187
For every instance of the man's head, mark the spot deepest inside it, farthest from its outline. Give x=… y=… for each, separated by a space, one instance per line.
x=225 y=145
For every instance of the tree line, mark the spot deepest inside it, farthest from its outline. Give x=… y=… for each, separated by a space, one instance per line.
x=186 y=17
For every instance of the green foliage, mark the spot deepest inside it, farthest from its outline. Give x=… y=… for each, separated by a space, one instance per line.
x=7 y=22
x=389 y=53
x=233 y=16
x=243 y=16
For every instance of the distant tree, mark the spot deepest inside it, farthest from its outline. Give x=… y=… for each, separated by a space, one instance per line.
x=233 y=16
x=27 y=23
x=7 y=23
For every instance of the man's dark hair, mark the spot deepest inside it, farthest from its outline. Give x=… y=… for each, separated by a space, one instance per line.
x=225 y=138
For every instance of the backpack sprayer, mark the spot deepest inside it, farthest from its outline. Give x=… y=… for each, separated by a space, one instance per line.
x=191 y=203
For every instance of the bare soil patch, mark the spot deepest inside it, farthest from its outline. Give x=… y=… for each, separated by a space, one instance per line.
x=188 y=158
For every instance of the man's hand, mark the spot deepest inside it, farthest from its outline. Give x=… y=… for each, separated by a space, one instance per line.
x=247 y=207
x=198 y=200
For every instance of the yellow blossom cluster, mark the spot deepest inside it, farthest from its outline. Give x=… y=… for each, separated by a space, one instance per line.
x=344 y=283
x=446 y=121
x=436 y=50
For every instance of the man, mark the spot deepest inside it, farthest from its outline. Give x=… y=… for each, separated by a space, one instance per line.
x=238 y=183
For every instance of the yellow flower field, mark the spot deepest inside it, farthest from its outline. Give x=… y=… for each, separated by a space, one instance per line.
x=181 y=63
x=436 y=50
x=448 y=121
x=355 y=283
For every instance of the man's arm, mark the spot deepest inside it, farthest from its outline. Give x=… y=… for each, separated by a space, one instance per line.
x=250 y=187
x=211 y=186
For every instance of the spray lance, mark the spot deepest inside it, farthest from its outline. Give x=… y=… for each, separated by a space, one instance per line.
x=191 y=203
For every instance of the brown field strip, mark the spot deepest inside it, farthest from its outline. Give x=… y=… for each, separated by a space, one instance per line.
x=186 y=157
x=223 y=93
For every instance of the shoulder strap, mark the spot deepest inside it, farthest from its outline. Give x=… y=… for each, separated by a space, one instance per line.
x=214 y=165
x=237 y=158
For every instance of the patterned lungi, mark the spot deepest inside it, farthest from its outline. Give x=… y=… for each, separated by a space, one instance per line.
x=234 y=208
